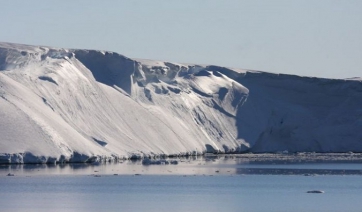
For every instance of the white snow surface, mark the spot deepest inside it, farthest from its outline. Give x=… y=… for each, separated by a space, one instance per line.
x=67 y=105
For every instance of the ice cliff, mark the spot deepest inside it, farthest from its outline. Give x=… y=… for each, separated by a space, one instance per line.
x=66 y=105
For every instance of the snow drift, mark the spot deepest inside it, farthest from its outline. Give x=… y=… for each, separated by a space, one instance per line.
x=65 y=105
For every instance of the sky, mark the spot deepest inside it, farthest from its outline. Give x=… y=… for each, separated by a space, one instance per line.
x=303 y=37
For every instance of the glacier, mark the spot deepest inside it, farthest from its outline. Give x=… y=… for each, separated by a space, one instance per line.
x=75 y=105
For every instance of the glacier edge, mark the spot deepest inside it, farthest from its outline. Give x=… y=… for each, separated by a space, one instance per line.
x=67 y=105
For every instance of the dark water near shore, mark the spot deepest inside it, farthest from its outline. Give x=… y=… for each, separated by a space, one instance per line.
x=202 y=184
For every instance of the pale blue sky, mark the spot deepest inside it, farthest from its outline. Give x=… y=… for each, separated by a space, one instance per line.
x=311 y=37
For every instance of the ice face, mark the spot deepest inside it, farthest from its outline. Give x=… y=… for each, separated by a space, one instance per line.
x=88 y=105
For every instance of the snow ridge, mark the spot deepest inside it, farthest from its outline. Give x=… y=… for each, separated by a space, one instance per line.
x=66 y=105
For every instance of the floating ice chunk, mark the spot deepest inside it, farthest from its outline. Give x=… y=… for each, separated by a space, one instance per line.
x=315 y=192
x=174 y=162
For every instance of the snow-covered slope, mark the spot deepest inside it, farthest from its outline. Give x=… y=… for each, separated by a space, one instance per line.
x=87 y=105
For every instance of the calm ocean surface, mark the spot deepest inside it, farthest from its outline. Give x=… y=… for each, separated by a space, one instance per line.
x=194 y=185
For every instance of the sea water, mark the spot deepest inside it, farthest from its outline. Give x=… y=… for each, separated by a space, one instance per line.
x=197 y=185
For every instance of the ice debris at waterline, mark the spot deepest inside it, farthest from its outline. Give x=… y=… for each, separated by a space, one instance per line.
x=85 y=105
x=147 y=161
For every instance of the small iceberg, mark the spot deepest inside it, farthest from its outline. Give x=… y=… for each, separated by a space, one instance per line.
x=315 y=192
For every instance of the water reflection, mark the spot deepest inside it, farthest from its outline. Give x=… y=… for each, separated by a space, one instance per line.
x=264 y=164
